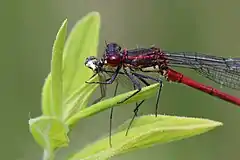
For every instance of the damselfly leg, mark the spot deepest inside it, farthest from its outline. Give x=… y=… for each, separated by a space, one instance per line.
x=111 y=80
x=103 y=88
x=135 y=111
x=135 y=83
x=142 y=79
x=111 y=117
x=159 y=90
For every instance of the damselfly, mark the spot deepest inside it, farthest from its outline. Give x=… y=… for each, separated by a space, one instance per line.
x=135 y=62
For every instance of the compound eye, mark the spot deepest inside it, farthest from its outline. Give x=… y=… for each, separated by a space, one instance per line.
x=113 y=60
x=113 y=47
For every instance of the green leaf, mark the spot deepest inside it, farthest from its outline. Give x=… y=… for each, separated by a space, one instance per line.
x=146 y=131
x=56 y=70
x=64 y=92
x=79 y=99
x=52 y=90
x=47 y=96
x=69 y=88
x=49 y=133
x=81 y=43
x=145 y=93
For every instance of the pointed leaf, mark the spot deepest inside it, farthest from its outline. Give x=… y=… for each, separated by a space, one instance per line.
x=146 y=131
x=56 y=71
x=145 y=93
x=52 y=90
x=81 y=43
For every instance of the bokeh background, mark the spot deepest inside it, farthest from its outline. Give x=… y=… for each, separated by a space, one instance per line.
x=28 y=29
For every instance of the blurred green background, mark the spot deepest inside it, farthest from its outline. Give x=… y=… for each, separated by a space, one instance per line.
x=28 y=29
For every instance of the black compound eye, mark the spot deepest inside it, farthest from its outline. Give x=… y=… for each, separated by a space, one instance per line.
x=113 y=47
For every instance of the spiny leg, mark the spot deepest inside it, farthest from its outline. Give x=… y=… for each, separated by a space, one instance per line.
x=104 y=82
x=102 y=78
x=111 y=116
x=137 y=105
x=141 y=77
x=135 y=114
x=134 y=87
x=103 y=94
x=135 y=84
x=159 y=90
x=111 y=80
x=158 y=97
x=134 y=81
x=102 y=89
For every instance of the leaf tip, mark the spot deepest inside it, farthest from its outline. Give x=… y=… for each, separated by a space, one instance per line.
x=94 y=13
x=216 y=124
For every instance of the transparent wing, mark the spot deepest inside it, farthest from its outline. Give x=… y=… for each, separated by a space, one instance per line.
x=224 y=71
x=224 y=77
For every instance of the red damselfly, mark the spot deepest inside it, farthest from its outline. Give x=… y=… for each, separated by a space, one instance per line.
x=224 y=71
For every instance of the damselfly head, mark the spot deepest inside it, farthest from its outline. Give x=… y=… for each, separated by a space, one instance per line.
x=93 y=63
x=112 y=56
